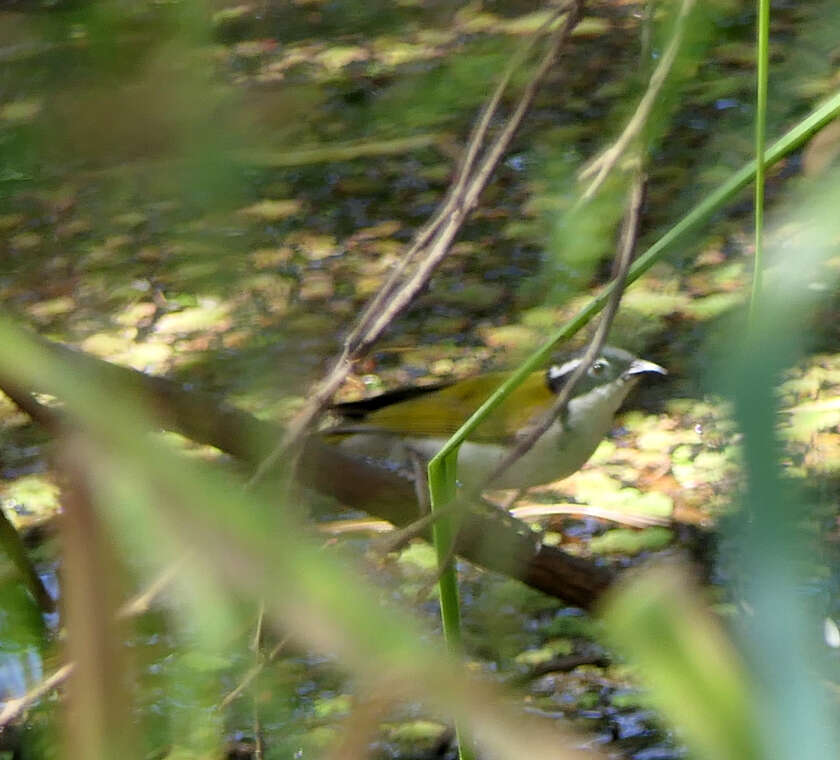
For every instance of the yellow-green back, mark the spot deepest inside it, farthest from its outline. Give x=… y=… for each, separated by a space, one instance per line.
x=439 y=413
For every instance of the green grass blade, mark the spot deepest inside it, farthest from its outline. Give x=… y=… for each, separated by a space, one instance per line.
x=792 y=139
x=760 y=139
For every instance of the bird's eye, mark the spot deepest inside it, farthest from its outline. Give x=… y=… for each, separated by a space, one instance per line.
x=598 y=368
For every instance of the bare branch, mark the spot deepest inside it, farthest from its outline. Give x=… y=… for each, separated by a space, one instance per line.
x=14 y=708
x=137 y=605
x=254 y=672
x=439 y=245
x=435 y=239
x=455 y=195
x=604 y=164
x=141 y=602
x=625 y=256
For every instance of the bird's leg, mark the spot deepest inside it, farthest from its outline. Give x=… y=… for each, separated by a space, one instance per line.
x=421 y=481
x=396 y=540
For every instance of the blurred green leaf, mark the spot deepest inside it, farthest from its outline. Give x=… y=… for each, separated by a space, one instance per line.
x=694 y=674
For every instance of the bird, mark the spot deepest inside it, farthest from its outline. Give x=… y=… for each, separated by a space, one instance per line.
x=393 y=429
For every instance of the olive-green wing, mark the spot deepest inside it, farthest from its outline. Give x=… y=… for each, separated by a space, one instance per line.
x=439 y=413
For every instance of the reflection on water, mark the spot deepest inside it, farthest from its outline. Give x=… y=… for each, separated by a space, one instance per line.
x=21 y=661
x=19 y=672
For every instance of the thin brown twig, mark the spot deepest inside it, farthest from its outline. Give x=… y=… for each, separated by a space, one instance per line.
x=141 y=602
x=393 y=540
x=535 y=511
x=627 y=246
x=261 y=660
x=137 y=605
x=134 y=607
x=604 y=163
x=53 y=421
x=257 y=647
x=259 y=748
x=253 y=673
x=439 y=240
x=259 y=629
x=397 y=539
x=15 y=707
x=454 y=196
x=443 y=239
x=360 y=525
x=424 y=590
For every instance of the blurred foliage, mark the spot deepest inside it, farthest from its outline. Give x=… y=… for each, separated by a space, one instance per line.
x=213 y=191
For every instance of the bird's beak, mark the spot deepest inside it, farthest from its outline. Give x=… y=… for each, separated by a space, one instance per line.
x=641 y=366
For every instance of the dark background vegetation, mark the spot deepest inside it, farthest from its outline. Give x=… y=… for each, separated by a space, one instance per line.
x=212 y=193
